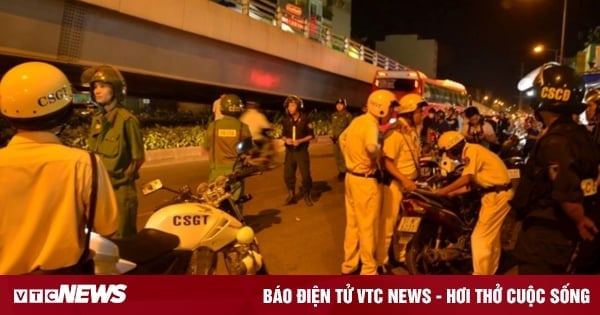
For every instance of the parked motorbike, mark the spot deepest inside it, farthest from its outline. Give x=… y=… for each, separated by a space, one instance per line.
x=433 y=234
x=185 y=235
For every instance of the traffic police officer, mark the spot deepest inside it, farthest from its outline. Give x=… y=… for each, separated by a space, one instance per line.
x=297 y=133
x=401 y=150
x=486 y=170
x=221 y=138
x=362 y=152
x=46 y=186
x=116 y=137
x=557 y=195
x=339 y=121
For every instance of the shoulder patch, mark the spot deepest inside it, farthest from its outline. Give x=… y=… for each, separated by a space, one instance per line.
x=466 y=161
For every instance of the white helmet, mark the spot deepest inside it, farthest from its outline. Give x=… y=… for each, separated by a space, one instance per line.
x=380 y=102
x=449 y=139
x=35 y=96
x=410 y=103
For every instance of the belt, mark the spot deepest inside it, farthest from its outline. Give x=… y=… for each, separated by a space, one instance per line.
x=374 y=175
x=496 y=189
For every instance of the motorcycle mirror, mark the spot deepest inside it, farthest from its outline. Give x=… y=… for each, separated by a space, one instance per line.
x=244 y=146
x=151 y=186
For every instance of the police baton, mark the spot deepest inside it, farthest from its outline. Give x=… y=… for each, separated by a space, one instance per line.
x=571 y=266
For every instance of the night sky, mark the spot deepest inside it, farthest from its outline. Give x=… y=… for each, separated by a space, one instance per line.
x=482 y=43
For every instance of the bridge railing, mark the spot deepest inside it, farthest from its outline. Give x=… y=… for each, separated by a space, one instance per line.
x=269 y=12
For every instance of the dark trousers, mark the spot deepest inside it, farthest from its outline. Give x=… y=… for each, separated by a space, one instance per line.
x=297 y=159
x=543 y=250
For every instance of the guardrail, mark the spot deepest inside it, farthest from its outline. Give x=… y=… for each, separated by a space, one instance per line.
x=269 y=12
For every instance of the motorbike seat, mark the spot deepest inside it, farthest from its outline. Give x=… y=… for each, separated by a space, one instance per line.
x=147 y=245
x=440 y=201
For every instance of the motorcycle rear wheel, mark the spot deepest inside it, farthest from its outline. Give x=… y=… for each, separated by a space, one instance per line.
x=423 y=244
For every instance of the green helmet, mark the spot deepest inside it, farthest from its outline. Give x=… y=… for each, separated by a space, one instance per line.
x=105 y=74
x=231 y=105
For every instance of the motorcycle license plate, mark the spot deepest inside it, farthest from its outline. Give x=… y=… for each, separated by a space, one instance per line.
x=514 y=173
x=409 y=224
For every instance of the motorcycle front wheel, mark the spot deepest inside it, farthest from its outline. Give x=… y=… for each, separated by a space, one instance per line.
x=422 y=255
x=202 y=262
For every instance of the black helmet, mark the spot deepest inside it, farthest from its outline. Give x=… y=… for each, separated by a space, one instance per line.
x=231 y=105
x=341 y=101
x=294 y=99
x=557 y=88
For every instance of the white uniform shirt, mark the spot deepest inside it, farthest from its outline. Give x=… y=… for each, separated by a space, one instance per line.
x=217 y=109
x=486 y=167
x=44 y=196
x=256 y=121
x=362 y=132
x=401 y=145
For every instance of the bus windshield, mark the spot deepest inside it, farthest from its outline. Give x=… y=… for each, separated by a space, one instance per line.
x=442 y=95
x=400 y=85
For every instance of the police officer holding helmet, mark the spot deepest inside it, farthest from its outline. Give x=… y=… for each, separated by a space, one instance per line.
x=339 y=121
x=557 y=195
x=297 y=133
x=221 y=138
x=115 y=135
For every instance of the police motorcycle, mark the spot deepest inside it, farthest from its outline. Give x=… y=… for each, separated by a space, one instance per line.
x=434 y=231
x=185 y=235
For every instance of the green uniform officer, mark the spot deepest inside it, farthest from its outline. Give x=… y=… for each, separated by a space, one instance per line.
x=116 y=137
x=221 y=138
x=339 y=121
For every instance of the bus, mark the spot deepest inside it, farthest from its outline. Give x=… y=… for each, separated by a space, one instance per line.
x=440 y=94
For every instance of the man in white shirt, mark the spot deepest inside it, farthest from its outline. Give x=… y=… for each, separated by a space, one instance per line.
x=217 y=108
x=256 y=121
x=477 y=130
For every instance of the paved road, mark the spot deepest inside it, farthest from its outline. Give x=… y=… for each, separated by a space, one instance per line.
x=294 y=239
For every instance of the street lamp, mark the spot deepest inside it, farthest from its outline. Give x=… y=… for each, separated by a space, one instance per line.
x=540 y=49
x=562 y=35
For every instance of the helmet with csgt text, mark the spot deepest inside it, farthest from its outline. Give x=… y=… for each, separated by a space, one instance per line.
x=35 y=96
x=410 y=103
x=449 y=139
x=380 y=102
x=558 y=88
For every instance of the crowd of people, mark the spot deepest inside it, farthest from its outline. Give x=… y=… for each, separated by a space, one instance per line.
x=377 y=157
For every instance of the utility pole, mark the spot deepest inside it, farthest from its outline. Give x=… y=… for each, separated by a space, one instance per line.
x=521 y=93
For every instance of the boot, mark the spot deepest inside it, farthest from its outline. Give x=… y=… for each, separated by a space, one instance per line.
x=308 y=199
x=291 y=198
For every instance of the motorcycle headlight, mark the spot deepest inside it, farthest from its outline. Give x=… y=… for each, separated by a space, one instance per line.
x=243 y=259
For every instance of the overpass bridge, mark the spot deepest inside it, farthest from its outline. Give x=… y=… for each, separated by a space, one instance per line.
x=190 y=50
